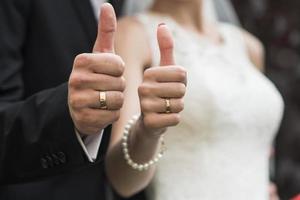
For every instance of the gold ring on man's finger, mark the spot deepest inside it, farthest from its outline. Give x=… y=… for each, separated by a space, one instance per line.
x=102 y=100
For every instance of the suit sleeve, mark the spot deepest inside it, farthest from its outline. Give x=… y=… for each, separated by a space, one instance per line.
x=36 y=134
x=287 y=170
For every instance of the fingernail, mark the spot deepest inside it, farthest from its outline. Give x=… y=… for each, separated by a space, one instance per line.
x=161 y=24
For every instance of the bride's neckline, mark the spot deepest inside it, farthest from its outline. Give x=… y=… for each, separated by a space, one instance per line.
x=219 y=42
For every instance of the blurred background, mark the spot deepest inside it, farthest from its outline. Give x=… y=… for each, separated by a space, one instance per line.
x=277 y=24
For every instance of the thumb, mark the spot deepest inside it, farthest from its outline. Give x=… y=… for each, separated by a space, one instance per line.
x=106 y=30
x=166 y=45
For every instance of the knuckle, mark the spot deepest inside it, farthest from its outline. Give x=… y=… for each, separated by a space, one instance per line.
x=181 y=89
x=117 y=63
x=75 y=102
x=119 y=99
x=181 y=105
x=144 y=90
x=121 y=65
x=175 y=119
x=149 y=73
x=81 y=59
x=122 y=84
x=119 y=69
x=145 y=105
x=76 y=80
x=180 y=69
x=181 y=73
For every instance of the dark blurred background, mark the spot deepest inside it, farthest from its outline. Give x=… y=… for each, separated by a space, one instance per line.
x=277 y=24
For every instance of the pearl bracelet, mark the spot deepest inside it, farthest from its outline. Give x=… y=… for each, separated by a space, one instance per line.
x=130 y=162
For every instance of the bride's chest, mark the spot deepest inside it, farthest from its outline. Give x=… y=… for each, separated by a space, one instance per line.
x=227 y=92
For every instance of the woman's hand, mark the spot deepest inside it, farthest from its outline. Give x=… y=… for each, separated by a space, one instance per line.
x=163 y=88
x=157 y=86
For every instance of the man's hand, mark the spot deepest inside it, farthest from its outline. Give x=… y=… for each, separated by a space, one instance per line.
x=100 y=71
x=161 y=93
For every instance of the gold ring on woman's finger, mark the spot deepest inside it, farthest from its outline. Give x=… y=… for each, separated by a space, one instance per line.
x=168 y=106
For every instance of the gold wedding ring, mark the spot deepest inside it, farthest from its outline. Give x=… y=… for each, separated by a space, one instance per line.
x=168 y=106
x=102 y=100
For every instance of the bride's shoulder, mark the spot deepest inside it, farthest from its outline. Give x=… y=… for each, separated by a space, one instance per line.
x=255 y=49
x=131 y=38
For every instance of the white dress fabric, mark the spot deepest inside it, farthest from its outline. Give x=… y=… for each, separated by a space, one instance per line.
x=232 y=112
x=132 y=7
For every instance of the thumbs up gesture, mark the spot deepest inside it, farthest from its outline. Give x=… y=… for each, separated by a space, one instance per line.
x=163 y=88
x=96 y=83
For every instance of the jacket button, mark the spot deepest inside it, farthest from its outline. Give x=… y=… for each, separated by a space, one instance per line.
x=55 y=159
x=50 y=161
x=44 y=163
x=62 y=157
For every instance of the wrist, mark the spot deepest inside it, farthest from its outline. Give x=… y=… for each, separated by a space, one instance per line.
x=146 y=133
x=140 y=148
x=87 y=131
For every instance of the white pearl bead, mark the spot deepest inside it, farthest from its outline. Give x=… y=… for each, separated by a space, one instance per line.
x=124 y=144
x=127 y=127
x=140 y=167
x=130 y=162
x=126 y=132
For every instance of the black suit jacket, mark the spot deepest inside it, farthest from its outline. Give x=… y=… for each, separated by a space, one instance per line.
x=40 y=156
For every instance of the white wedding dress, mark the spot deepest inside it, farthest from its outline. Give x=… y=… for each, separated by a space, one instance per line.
x=232 y=111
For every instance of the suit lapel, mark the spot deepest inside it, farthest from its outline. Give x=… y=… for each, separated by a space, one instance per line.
x=86 y=17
